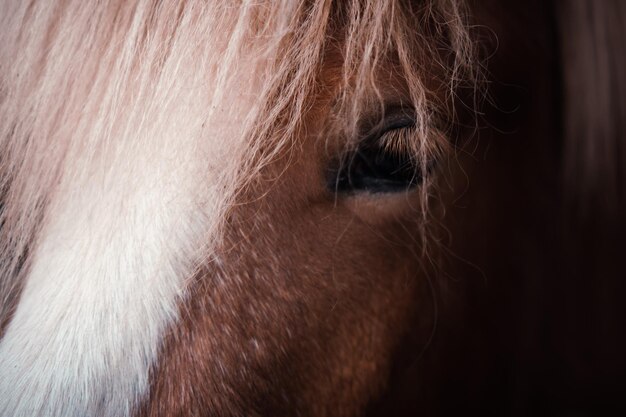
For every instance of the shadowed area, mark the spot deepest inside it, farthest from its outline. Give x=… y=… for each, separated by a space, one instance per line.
x=532 y=318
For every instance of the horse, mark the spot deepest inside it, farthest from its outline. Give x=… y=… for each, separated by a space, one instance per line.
x=311 y=208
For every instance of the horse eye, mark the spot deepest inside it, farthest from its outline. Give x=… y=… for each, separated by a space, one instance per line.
x=376 y=165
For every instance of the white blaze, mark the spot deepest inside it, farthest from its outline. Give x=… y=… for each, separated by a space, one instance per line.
x=149 y=159
x=120 y=242
x=105 y=281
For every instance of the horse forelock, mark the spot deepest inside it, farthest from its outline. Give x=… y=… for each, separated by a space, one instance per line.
x=127 y=129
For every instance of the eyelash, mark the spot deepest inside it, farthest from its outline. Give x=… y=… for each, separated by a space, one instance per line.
x=379 y=164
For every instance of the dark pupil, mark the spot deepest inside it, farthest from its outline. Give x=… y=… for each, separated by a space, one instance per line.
x=374 y=169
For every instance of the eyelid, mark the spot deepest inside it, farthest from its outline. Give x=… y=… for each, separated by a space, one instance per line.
x=395 y=118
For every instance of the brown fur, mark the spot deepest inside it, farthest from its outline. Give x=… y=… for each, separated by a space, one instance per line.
x=309 y=296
